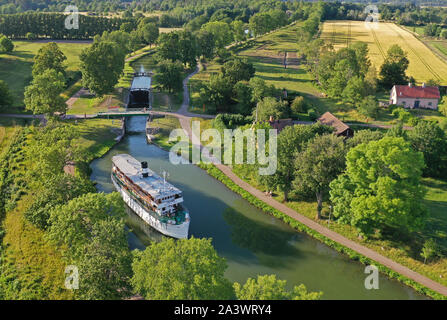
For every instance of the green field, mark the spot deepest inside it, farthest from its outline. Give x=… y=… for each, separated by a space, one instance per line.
x=15 y=68
x=267 y=54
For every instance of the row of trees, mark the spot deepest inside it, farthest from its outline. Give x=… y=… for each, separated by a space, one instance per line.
x=177 y=262
x=52 y=25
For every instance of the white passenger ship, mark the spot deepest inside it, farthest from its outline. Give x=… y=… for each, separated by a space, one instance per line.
x=156 y=201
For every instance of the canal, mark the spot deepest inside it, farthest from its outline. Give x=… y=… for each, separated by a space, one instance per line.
x=251 y=241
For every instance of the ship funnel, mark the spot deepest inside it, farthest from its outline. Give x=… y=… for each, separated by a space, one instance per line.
x=144 y=169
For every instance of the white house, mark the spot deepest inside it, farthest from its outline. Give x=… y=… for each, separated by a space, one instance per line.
x=412 y=97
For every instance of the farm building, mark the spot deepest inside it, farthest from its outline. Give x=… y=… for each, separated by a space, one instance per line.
x=341 y=128
x=410 y=96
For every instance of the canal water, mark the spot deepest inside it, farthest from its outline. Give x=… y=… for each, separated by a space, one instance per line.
x=253 y=242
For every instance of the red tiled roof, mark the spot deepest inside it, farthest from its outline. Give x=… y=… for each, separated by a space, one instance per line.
x=329 y=119
x=406 y=91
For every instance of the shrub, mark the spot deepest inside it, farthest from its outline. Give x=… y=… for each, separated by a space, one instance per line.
x=313 y=115
x=299 y=105
x=31 y=36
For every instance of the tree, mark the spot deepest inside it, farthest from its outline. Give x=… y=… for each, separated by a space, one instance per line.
x=170 y=75
x=187 y=269
x=261 y=89
x=429 y=250
x=355 y=90
x=364 y=136
x=318 y=164
x=118 y=37
x=267 y=287
x=105 y=266
x=428 y=138
x=43 y=95
x=238 y=70
x=55 y=189
x=291 y=140
x=299 y=105
x=238 y=30
x=243 y=93
x=261 y=23
x=5 y=95
x=221 y=31
x=73 y=223
x=92 y=228
x=101 y=65
x=206 y=44
x=169 y=46
x=270 y=107
x=49 y=56
x=369 y=107
x=218 y=92
x=149 y=33
x=380 y=187
x=188 y=49
x=393 y=69
x=6 y=44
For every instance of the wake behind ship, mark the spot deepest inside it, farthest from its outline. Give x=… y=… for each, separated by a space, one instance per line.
x=153 y=199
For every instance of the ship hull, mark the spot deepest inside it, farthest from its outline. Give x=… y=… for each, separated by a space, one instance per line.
x=176 y=231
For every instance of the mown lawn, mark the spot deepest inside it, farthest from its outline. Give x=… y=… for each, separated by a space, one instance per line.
x=166 y=125
x=97 y=136
x=15 y=67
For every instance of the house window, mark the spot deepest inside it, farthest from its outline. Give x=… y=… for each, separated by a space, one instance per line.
x=404 y=103
x=430 y=104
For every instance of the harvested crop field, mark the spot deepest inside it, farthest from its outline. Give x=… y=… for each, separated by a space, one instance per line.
x=424 y=64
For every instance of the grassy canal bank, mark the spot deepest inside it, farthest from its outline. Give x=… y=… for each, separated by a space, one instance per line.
x=31 y=266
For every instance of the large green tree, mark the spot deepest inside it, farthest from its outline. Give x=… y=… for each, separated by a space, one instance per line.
x=318 y=164
x=428 y=138
x=149 y=33
x=291 y=140
x=393 y=69
x=187 y=269
x=267 y=287
x=380 y=187
x=101 y=64
x=270 y=107
x=221 y=31
x=238 y=70
x=49 y=56
x=170 y=75
x=43 y=94
x=93 y=230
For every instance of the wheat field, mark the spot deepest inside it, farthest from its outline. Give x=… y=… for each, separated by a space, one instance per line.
x=424 y=64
